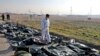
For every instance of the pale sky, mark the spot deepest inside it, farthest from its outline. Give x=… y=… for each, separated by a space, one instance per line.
x=51 y=6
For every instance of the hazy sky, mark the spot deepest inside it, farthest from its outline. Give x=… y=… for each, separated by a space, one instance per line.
x=51 y=6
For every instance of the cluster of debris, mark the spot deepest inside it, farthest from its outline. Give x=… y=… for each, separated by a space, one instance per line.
x=23 y=40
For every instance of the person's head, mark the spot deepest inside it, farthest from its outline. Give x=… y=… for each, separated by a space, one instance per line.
x=47 y=16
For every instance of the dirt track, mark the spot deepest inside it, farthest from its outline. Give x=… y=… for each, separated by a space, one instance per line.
x=5 y=49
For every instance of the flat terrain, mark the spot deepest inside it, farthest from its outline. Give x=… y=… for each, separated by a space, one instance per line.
x=79 y=28
x=5 y=49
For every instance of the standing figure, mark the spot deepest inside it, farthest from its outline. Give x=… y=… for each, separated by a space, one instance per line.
x=45 y=23
x=8 y=16
x=3 y=17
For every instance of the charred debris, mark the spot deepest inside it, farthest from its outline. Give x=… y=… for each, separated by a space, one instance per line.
x=22 y=40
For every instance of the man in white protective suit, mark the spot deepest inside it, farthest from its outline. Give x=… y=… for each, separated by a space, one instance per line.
x=45 y=23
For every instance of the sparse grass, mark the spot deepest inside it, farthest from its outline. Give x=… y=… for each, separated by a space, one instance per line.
x=82 y=30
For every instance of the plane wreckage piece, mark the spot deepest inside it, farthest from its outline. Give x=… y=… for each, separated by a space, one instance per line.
x=59 y=51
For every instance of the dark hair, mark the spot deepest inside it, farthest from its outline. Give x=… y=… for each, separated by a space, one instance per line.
x=47 y=15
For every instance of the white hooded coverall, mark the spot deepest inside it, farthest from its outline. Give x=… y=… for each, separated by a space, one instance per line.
x=45 y=30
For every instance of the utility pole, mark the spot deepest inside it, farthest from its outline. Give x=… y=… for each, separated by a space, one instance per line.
x=71 y=10
x=30 y=15
x=90 y=13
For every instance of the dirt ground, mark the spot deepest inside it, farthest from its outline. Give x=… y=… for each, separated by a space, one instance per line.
x=5 y=49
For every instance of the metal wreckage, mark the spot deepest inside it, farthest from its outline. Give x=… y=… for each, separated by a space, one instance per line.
x=22 y=40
